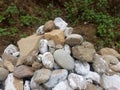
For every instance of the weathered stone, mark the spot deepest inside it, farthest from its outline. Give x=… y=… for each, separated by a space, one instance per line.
x=49 y=26
x=12 y=83
x=74 y=39
x=67 y=48
x=87 y=44
x=56 y=77
x=8 y=65
x=99 y=64
x=28 y=46
x=3 y=73
x=82 y=68
x=56 y=35
x=109 y=51
x=59 y=46
x=36 y=66
x=41 y=76
x=63 y=85
x=48 y=60
x=64 y=59
x=27 y=85
x=116 y=67
x=40 y=30
x=83 y=54
x=68 y=31
x=51 y=43
x=111 y=82
x=77 y=82
x=43 y=46
x=23 y=71
x=93 y=87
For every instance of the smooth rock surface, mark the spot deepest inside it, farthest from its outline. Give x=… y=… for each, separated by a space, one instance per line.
x=3 y=73
x=74 y=39
x=64 y=59
x=23 y=71
x=116 y=67
x=48 y=60
x=83 y=54
x=82 y=68
x=56 y=35
x=67 y=48
x=56 y=77
x=41 y=76
x=8 y=65
x=77 y=82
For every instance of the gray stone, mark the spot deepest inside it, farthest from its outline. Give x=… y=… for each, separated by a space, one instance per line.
x=64 y=59
x=41 y=76
x=77 y=82
x=82 y=68
x=56 y=77
x=74 y=39
x=51 y=43
x=67 y=48
x=40 y=30
x=93 y=87
x=83 y=54
x=3 y=73
x=48 y=60
x=68 y=31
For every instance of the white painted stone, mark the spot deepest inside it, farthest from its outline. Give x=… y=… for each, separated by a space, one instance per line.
x=67 y=48
x=82 y=68
x=60 y=23
x=93 y=76
x=40 y=30
x=68 y=31
x=77 y=82
x=48 y=60
x=43 y=46
x=16 y=54
x=56 y=77
x=63 y=85
x=27 y=85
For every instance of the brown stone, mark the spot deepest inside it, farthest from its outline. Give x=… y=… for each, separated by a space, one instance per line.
x=93 y=87
x=56 y=35
x=36 y=65
x=8 y=65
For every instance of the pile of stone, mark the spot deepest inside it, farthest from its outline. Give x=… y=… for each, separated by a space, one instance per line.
x=55 y=59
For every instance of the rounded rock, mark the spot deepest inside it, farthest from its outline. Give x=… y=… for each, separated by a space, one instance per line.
x=3 y=73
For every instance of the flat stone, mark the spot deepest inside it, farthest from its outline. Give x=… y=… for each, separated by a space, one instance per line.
x=64 y=59
x=48 y=60
x=28 y=46
x=56 y=35
x=83 y=54
x=74 y=39
x=8 y=65
x=12 y=83
x=82 y=68
x=3 y=73
x=109 y=51
x=27 y=85
x=56 y=77
x=49 y=26
x=41 y=76
x=23 y=71
x=77 y=82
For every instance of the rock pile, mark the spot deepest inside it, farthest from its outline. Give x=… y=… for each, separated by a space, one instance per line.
x=55 y=59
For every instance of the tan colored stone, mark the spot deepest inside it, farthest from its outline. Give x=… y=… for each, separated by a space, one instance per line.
x=36 y=66
x=8 y=65
x=56 y=35
x=28 y=46
x=93 y=87
x=115 y=67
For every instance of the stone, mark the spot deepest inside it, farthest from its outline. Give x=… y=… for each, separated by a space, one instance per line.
x=27 y=85
x=116 y=67
x=109 y=51
x=74 y=39
x=41 y=76
x=63 y=85
x=10 y=58
x=93 y=76
x=110 y=59
x=68 y=31
x=59 y=46
x=60 y=23
x=48 y=60
x=63 y=59
x=36 y=65
x=12 y=83
x=16 y=54
x=93 y=87
x=77 y=82
x=28 y=46
x=56 y=35
x=51 y=44
x=67 y=48
x=8 y=65
x=51 y=50
x=43 y=46
x=111 y=82
x=49 y=26
x=39 y=57
x=3 y=73
x=23 y=71
x=56 y=77
x=10 y=49
x=99 y=64
x=82 y=68
x=40 y=30
x=56 y=66
x=83 y=54
x=87 y=44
